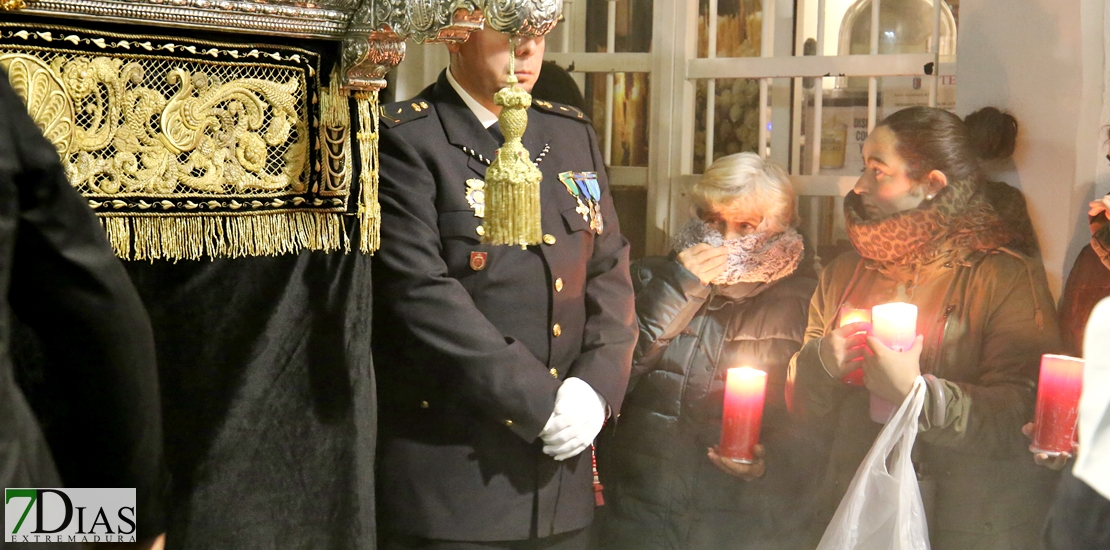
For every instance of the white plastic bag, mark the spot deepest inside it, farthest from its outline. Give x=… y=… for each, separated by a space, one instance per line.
x=882 y=509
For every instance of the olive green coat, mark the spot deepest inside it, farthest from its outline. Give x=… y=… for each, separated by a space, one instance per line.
x=986 y=318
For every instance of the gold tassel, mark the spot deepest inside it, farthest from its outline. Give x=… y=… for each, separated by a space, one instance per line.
x=369 y=212
x=513 y=213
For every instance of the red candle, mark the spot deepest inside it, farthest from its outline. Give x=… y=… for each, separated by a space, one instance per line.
x=744 y=392
x=1061 y=382
x=849 y=315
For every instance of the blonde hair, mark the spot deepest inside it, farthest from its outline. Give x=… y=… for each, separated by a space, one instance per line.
x=747 y=178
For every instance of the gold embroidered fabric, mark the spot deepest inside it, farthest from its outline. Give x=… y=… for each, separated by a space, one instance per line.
x=187 y=149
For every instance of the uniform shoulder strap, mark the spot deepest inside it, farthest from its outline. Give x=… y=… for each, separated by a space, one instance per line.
x=561 y=110
x=396 y=114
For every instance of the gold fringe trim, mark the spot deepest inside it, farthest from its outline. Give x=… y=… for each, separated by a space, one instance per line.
x=195 y=237
x=369 y=211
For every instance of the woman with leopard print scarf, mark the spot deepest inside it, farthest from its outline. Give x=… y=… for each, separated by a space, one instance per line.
x=924 y=232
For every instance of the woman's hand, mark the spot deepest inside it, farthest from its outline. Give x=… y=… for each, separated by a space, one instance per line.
x=842 y=349
x=1044 y=459
x=746 y=472
x=890 y=374
x=704 y=261
x=1099 y=206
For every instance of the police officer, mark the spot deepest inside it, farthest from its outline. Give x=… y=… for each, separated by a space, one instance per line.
x=497 y=365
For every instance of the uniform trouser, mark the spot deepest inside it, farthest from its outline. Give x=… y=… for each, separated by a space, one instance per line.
x=572 y=540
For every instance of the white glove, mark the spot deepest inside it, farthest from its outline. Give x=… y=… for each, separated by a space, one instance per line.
x=578 y=416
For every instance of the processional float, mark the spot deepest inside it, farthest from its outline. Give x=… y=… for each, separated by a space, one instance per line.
x=227 y=128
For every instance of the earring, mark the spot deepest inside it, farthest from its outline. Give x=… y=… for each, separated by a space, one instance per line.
x=929 y=197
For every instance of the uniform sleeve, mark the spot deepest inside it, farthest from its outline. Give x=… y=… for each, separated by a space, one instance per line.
x=985 y=416
x=70 y=289
x=609 y=334
x=494 y=374
x=811 y=393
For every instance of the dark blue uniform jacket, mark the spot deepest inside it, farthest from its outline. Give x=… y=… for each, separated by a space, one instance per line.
x=469 y=360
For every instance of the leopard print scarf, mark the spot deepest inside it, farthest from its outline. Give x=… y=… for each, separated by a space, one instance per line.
x=958 y=216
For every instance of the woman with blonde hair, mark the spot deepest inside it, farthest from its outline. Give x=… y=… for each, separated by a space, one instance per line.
x=729 y=295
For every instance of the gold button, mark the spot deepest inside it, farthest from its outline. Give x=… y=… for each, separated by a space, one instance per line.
x=480 y=230
x=423 y=404
x=555 y=373
x=556 y=330
x=509 y=423
x=559 y=284
x=548 y=238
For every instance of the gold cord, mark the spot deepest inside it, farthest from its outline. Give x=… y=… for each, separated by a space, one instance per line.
x=513 y=215
x=369 y=211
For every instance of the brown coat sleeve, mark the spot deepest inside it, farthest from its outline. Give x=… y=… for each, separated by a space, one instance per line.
x=1013 y=308
x=810 y=391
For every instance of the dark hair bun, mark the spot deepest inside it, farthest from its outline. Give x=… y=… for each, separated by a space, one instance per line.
x=555 y=83
x=993 y=133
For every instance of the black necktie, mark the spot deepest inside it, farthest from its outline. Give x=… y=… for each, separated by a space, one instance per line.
x=495 y=131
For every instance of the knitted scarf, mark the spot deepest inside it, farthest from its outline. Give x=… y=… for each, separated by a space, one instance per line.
x=761 y=257
x=958 y=216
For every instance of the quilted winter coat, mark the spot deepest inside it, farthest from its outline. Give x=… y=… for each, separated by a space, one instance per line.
x=662 y=491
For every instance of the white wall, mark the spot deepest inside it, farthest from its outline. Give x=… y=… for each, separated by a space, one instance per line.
x=1102 y=169
x=1043 y=60
x=421 y=67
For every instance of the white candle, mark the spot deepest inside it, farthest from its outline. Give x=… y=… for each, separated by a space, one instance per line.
x=895 y=325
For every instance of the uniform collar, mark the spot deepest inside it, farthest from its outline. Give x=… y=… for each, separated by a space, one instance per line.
x=463 y=129
x=485 y=116
x=460 y=125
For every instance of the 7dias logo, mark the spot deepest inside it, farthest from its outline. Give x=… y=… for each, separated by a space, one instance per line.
x=69 y=515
